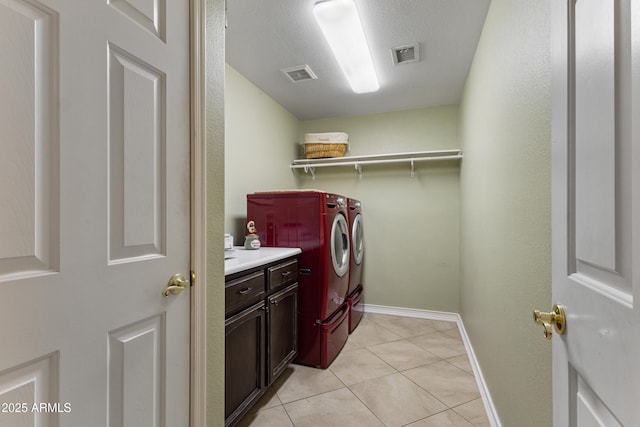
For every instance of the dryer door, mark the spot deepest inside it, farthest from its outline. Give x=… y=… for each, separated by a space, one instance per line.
x=340 y=245
x=357 y=239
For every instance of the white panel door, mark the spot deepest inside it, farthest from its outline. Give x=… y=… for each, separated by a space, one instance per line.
x=94 y=212
x=596 y=211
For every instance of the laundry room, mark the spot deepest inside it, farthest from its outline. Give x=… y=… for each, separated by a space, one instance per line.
x=411 y=222
x=466 y=235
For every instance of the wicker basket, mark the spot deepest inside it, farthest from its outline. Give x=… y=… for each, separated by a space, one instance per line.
x=323 y=145
x=320 y=150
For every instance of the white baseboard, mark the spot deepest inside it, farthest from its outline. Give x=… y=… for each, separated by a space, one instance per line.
x=411 y=312
x=448 y=317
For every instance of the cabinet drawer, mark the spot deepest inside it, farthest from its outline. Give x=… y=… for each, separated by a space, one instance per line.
x=280 y=274
x=243 y=291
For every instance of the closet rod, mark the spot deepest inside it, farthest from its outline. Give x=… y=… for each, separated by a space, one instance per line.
x=375 y=162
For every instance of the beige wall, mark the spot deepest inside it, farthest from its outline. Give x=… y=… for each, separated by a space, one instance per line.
x=505 y=210
x=260 y=137
x=411 y=224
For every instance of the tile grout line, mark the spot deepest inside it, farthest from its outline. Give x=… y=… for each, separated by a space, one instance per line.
x=487 y=400
x=460 y=336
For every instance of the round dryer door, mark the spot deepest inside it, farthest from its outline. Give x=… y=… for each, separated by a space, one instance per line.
x=357 y=239
x=340 y=245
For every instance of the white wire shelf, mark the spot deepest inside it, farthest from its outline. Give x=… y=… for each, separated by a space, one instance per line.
x=310 y=165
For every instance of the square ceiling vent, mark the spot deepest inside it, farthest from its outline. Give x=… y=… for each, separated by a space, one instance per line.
x=405 y=54
x=299 y=73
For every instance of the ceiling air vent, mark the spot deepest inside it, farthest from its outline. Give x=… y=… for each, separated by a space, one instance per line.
x=299 y=73
x=405 y=54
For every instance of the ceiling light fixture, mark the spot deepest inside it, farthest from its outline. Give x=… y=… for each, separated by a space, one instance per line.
x=340 y=24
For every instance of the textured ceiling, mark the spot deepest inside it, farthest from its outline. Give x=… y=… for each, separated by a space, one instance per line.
x=265 y=36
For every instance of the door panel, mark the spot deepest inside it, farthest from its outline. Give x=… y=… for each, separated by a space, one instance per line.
x=27 y=385
x=245 y=360
x=29 y=224
x=136 y=164
x=137 y=372
x=282 y=331
x=595 y=217
x=595 y=133
x=590 y=410
x=94 y=212
x=148 y=14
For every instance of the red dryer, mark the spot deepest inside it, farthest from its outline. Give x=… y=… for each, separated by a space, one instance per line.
x=317 y=223
x=355 y=294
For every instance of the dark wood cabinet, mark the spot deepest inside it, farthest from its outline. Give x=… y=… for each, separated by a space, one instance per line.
x=283 y=330
x=261 y=332
x=245 y=354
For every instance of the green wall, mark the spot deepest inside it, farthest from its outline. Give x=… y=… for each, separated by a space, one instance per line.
x=505 y=264
x=214 y=137
x=471 y=238
x=260 y=138
x=411 y=224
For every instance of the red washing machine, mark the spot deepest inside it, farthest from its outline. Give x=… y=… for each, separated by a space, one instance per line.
x=317 y=223
x=355 y=294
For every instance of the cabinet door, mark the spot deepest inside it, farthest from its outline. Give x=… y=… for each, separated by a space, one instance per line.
x=245 y=358
x=283 y=330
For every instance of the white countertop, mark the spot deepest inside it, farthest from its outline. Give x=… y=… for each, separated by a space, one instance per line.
x=244 y=259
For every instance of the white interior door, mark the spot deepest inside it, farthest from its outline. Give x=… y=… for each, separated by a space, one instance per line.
x=94 y=212
x=596 y=211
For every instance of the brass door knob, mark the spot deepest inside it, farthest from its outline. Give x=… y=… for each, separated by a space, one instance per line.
x=177 y=284
x=556 y=318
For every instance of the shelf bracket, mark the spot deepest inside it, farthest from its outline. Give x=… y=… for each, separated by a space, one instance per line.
x=359 y=169
x=413 y=169
x=312 y=171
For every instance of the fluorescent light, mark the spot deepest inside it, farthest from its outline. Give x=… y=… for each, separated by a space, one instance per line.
x=340 y=24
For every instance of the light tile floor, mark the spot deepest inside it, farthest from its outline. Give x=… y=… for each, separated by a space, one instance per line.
x=393 y=371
